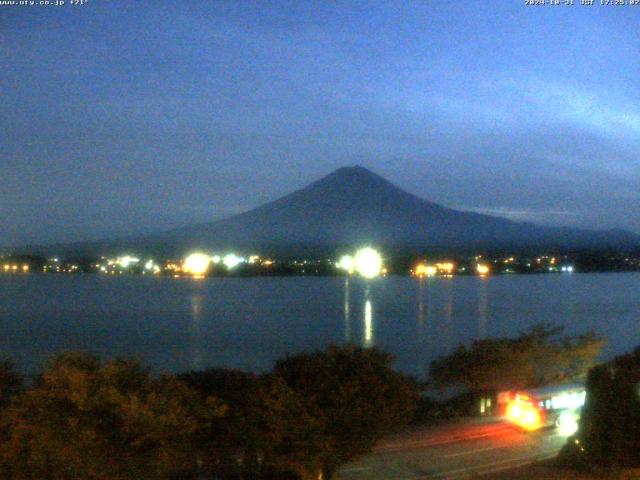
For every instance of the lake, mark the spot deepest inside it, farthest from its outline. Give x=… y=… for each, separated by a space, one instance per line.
x=247 y=323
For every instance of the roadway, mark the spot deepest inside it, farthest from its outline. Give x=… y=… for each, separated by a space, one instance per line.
x=454 y=451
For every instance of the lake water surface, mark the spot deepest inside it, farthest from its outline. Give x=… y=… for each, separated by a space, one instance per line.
x=247 y=323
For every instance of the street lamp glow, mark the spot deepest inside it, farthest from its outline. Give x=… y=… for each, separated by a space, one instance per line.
x=231 y=261
x=196 y=264
x=567 y=423
x=482 y=269
x=127 y=260
x=368 y=262
x=346 y=263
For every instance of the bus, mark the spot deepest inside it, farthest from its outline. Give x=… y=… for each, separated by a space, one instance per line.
x=556 y=406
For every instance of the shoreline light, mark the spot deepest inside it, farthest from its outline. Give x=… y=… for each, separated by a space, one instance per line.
x=482 y=269
x=231 y=261
x=346 y=263
x=197 y=264
x=127 y=260
x=368 y=262
x=424 y=270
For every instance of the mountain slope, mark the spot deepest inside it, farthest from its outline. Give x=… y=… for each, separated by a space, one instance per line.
x=355 y=206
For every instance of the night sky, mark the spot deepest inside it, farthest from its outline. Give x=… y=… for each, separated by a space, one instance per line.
x=128 y=117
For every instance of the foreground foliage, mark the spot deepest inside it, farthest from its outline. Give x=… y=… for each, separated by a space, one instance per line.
x=311 y=414
x=539 y=356
x=609 y=430
x=84 y=419
x=87 y=420
x=353 y=398
x=10 y=383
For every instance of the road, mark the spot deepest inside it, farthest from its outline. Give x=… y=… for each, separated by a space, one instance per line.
x=455 y=451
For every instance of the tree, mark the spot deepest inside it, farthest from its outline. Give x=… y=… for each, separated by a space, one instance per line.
x=232 y=444
x=609 y=430
x=10 y=383
x=110 y=421
x=333 y=406
x=539 y=356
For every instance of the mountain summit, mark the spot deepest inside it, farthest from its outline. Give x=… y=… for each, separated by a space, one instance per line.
x=354 y=206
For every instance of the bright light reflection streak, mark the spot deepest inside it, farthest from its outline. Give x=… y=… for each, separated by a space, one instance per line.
x=196 y=331
x=368 y=324
x=347 y=313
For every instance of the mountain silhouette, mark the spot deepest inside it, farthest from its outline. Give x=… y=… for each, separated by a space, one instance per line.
x=352 y=207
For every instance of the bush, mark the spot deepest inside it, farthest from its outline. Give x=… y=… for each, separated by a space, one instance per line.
x=539 y=356
x=610 y=422
x=10 y=383
x=102 y=421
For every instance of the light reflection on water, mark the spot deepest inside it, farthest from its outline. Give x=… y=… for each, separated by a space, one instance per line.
x=368 y=340
x=196 y=332
x=483 y=305
x=180 y=324
x=347 y=313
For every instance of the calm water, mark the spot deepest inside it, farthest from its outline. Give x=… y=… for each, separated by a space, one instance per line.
x=180 y=324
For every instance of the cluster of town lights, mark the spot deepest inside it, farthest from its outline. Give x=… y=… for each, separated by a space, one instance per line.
x=446 y=269
x=14 y=268
x=197 y=264
x=424 y=270
x=367 y=263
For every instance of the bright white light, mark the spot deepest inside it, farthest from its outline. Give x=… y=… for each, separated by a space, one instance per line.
x=127 y=260
x=149 y=265
x=231 y=261
x=368 y=324
x=368 y=262
x=196 y=263
x=568 y=400
x=216 y=259
x=346 y=263
x=567 y=423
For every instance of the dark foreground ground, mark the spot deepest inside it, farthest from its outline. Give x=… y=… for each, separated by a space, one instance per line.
x=478 y=449
x=461 y=450
x=549 y=471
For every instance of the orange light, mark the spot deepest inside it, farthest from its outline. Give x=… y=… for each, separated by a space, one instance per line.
x=446 y=267
x=523 y=414
x=424 y=270
x=420 y=270
x=482 y=269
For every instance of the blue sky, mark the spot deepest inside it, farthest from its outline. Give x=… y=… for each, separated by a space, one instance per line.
x=121 y=118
